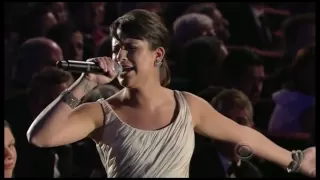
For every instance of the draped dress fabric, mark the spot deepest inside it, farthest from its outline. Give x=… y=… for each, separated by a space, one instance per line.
x=126 y=151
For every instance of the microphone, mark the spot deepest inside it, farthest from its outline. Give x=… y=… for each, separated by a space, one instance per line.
x=84 y=67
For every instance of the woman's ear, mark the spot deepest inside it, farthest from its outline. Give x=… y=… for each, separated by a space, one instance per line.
x=160 y=53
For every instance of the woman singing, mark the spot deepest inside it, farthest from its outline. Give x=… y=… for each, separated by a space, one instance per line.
x=147 y=130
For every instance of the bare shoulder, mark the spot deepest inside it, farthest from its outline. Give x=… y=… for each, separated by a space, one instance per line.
x=193 y=99
x=196 y=105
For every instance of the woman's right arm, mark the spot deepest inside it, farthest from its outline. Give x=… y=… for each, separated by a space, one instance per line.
x=59 y=124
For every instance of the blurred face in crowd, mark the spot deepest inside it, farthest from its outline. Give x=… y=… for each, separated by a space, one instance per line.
x=251 y=82
x=209 y=73
x=73 y=47
x=240 y=116
x=49 y=20
x=10 y=153
x=77 y=46
x=60 y=11
x=98 y=12
x=56 y=53
x=220 y=25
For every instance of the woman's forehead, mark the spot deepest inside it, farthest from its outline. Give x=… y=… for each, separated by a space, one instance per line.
x=8 y=134
x=115 y=41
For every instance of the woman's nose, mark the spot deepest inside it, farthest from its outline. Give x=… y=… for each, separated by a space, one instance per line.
x=8 y=154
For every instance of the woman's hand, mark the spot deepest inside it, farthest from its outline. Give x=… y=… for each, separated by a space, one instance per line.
x=108 y=66
x=308 y=164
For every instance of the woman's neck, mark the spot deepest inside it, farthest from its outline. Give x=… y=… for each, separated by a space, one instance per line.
x=147 y=95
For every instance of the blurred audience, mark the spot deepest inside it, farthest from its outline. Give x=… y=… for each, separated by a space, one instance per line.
x=69 y=38
x=201 y=61
x=193 y=25
x=294 y=111
x=248 y=25
x=36 y=23
x=60 y=11
x=10 y=153
x=244 y=70
x=105 y=47
x=89 y=17
x=220 y=24
x=236 y=162
x=298 y=32
x=43 y=89
x=33 y=56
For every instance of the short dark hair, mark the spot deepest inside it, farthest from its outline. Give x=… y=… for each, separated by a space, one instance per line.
x=31 y=57
x=290 y=26
x=200 y=51
x=145 y=25
x=105 y=47
x=46 y=79
x=237 y=63
x=31 y=24
x=62 y=32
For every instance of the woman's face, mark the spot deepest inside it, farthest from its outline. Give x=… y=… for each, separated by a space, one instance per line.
x=10 y=153
x=137 y=59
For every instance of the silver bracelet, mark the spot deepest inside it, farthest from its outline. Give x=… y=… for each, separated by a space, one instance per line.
x=295 y=164
x=68 y=98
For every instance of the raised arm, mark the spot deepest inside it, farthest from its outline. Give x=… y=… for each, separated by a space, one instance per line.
x=60 y=124
x=210 y=123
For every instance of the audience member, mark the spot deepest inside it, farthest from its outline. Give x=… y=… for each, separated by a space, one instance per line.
x=201 y=61
x=10 y=153
x=298 y=32
x=34 y=55
x=60 y=11
x=89 y=17
x=294 y=111
x=220 y=24
x=244 y=70
x=69 y=38
x=36 y=23
x=235 y=105
x=44 y=87
x=253 y=30
x=193 y=25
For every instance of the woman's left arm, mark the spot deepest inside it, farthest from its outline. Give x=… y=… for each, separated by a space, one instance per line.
x=208 y=122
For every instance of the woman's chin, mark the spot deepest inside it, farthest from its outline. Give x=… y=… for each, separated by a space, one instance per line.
x=7 y=173
x=125 y=82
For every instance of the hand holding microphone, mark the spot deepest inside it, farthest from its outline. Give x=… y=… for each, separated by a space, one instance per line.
x=100 y=70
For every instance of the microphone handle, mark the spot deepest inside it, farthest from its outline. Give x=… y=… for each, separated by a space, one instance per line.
x=80 y=67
